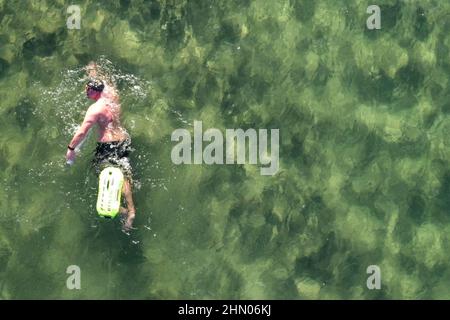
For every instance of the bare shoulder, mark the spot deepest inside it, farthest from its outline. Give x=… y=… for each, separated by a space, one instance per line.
x=95 y=109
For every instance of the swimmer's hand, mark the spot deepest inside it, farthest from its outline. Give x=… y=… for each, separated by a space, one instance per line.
x=70 y=157
x=127 y=218
x=91 y=69
x=128 y=225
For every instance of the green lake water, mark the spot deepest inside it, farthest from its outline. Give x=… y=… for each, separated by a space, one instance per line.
x=364 y=178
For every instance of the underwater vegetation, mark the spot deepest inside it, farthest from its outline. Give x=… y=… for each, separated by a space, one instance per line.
x=364 y=162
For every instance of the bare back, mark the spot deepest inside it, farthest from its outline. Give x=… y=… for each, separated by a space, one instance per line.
x=107 y=109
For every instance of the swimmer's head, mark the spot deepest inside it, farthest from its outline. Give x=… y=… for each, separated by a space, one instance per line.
x=94 y=89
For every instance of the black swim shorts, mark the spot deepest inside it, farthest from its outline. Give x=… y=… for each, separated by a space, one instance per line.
x=114 y=153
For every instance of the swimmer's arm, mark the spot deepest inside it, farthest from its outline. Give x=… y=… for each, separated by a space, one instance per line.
x=91 y=69
x=89 y=120
x=112 y=91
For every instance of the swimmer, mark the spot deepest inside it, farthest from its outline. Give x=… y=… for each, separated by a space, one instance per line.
x=114 y=142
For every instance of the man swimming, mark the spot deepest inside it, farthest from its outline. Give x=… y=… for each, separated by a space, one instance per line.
x=114 y=143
